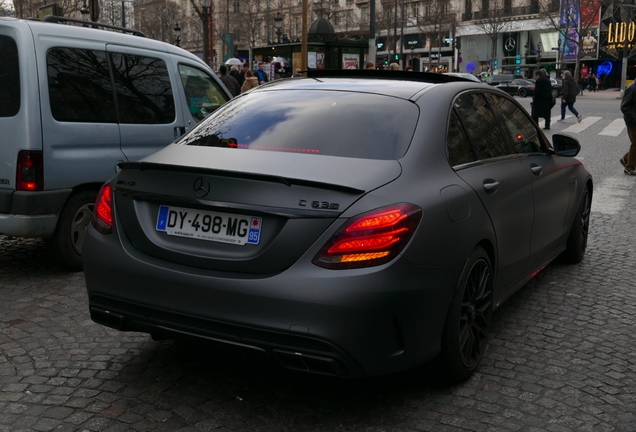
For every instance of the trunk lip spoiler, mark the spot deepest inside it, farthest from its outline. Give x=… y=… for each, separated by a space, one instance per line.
x=234 y=174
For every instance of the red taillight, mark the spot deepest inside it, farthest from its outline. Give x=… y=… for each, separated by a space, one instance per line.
x=370 y=239
x=103 y=213
x=30 y=171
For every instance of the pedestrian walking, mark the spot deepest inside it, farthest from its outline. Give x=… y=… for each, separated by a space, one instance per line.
x=569 y=96
x=593 y=83
x=542 y=98
x=250 y=81
x=394 y=66
x=628 y=107
x=583 y=83
x=237 y=74
x=229 y=81
x=369 y=66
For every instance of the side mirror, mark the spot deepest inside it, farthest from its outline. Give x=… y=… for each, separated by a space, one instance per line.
x=565 y=145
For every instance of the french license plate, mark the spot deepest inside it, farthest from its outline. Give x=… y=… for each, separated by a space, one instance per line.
x=206 y=225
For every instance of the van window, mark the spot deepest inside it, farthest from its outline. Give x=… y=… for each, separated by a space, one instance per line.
x=80 y=88
x=9 y=78
x=202 y=93
x=144 y=92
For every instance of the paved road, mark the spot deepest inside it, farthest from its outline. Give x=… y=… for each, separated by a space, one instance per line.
x=562 y=355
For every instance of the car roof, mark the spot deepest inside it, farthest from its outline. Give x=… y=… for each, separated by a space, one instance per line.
x=402 y=84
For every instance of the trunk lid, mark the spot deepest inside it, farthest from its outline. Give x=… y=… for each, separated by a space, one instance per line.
x=243 y=211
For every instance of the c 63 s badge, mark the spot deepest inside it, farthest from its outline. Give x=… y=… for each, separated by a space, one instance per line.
x=319 y=204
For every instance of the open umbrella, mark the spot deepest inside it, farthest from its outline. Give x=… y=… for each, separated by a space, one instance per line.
x=233 y=61
x=279 y=60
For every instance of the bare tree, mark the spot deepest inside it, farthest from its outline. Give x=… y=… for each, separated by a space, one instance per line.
x=386 y=20
x=574 y=20
x=493 y=20
x=158 y=18
x=437 y=22
x=119 y=13
x=29 y=8
x=250 y=18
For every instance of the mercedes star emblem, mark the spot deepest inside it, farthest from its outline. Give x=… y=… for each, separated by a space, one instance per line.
x=201 y=187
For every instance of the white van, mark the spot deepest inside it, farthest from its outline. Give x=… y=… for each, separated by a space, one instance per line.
x=74 y=102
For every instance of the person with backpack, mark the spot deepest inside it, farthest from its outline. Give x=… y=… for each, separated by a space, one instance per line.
x=569 y=96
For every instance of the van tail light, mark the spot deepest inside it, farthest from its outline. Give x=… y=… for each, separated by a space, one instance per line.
x=103 y=213
x=30 y=172
x=370 y=239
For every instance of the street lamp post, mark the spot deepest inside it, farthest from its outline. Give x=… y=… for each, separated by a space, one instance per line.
x=278 y=23
x=85 y=12
x=205 y=4
x=177 y=34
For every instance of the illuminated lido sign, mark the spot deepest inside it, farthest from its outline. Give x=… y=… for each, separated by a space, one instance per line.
x=619 y=33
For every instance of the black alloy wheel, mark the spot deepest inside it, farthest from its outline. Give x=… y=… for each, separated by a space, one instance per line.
x=468 y=321
x=577 y=240
x=523 y=92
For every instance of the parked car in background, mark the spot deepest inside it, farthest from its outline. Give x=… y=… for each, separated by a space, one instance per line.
x=557 y=87
x=75 y=101
x=497 y=79
x=373 y=247
x=517 y=87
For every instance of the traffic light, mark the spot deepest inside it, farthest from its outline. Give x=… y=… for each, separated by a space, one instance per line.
x=397 y=57
x=386 y=59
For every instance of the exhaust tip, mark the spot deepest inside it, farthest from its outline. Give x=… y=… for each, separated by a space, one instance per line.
x=108 y=318
x=309 y=363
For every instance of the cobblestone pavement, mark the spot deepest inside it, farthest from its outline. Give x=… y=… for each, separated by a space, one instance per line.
x=562 y=358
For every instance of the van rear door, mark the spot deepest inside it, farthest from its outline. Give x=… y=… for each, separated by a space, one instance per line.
x=79 y=123
x=20 y=131
x=147 y=88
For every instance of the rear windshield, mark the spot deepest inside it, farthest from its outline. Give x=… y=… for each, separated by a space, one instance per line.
x=9 y=78
x=330 y=123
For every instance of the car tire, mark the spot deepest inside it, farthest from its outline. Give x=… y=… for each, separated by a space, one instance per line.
x=522 y=93
x=66 y=243
x=468 y=321
x=577 y=240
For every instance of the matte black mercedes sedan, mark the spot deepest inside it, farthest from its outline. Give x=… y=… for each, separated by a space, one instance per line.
x=348 y=223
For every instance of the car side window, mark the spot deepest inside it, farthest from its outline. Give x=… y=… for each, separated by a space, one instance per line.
x=519 y=127
x=144 y=91
x=80 y=88
x=480 y=124
x=9 y=78
x=459 y=149
x=203 y=95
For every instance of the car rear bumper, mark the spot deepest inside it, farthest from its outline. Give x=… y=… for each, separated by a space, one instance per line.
x=338 y=322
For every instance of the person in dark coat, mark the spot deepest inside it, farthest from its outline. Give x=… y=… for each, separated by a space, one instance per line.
x=237 y=74
x=542 y=98
x=229 y=81
x=569 y=96
x=628 y=108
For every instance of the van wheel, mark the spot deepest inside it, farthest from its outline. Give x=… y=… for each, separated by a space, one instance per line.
x=66 y=243
x=468 y=321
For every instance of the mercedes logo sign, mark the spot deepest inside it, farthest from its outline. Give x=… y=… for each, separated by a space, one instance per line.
x=201 y=187
x=510 y=44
